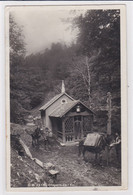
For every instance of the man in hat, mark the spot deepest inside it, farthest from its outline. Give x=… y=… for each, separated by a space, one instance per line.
x=117 y=144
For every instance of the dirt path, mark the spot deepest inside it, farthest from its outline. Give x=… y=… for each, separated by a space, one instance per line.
x=74 y=171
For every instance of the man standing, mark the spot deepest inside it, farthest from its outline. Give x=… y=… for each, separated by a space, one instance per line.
x=117 y=144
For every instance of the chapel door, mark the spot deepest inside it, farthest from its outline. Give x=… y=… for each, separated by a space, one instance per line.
x=77 y=127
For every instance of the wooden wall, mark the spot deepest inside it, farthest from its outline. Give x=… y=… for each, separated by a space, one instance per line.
x=50 y=109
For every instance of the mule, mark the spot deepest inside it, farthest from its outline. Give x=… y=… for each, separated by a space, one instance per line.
x=35 y=136
x=97 y=150
x=40 y=136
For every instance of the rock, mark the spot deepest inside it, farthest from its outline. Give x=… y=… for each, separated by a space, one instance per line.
x=53 y=172
x=49 y=166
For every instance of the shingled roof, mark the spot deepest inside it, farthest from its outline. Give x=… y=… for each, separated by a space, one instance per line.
x=44 y=107
x=61 y=110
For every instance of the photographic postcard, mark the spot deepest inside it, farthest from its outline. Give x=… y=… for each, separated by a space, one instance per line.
x=66 y=90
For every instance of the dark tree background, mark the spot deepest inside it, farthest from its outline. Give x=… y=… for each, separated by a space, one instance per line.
x=90 y=68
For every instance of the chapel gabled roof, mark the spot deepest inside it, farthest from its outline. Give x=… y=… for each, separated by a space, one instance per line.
x=61 y=110
x=54 y=99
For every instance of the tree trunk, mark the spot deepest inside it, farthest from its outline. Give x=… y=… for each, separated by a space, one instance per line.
x=109 y=113
x=88 y=80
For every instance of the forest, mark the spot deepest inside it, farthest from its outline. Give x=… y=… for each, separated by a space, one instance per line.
x=90 y=68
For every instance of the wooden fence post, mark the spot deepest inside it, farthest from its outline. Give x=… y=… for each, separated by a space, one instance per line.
x=108 y=123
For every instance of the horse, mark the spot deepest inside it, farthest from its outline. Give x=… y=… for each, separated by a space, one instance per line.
x=104 y=142
x=43 y=136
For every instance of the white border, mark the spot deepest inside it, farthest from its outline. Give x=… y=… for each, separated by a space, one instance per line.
x=123 y=102
x=123 y=105
x=2 y=84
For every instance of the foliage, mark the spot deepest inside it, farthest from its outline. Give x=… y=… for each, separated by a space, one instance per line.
x=99 y=29
x=37 y=78
x=99 y=39
x=17 y=52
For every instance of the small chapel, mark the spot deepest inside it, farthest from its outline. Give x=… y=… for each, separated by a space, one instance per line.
x=69 y=119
